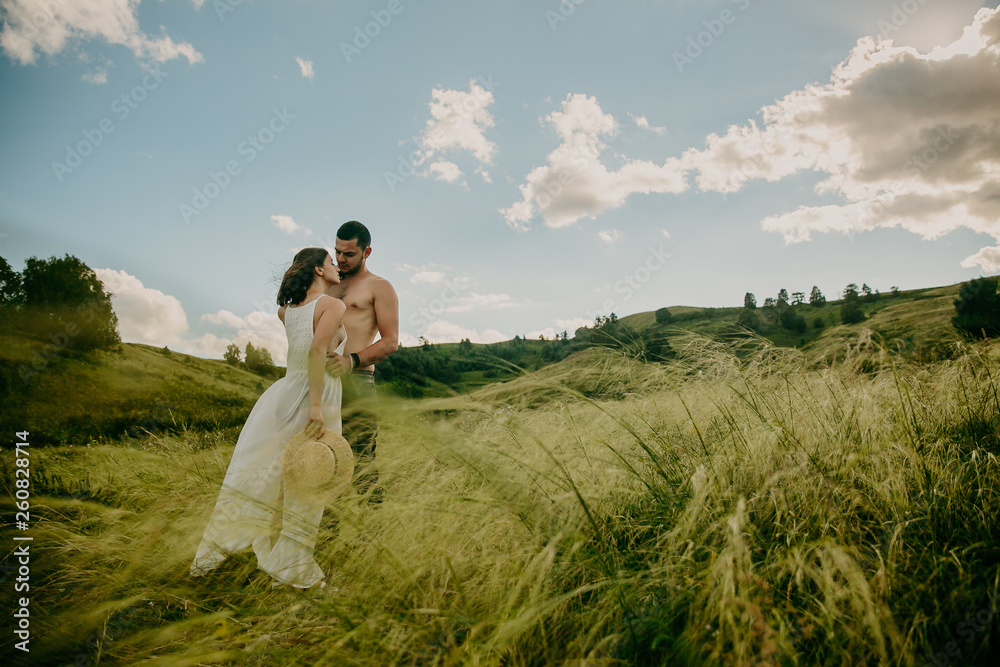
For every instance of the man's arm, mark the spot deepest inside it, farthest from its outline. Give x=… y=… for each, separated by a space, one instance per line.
x=386 y=305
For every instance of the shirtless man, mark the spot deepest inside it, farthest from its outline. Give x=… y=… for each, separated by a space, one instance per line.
x=372 y=307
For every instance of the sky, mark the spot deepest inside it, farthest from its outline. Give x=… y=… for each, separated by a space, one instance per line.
x=524 y=166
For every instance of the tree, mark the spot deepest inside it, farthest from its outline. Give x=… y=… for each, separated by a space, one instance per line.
x=749 y=301
x=605 y=320
x=258 y=359
x=769 y=302
x=977 y=309
x=10 y=284
x=663 y=316
x=792 y=321
x=894 y=290
x=465 y=347
x=63 y=298
x=748 y=319
x=798 y=298
x=782 y=297
x=232 y=355
x=851 y=311
x=816 y=297
x=866 y=293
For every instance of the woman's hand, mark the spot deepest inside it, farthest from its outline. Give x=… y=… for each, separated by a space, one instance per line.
x=316 y=420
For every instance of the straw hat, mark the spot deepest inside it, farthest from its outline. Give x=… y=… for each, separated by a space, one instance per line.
x=312 y=464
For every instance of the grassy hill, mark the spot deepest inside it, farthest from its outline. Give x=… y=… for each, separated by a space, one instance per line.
x=74 y=398
x=78 y=398
x=912 y=323
x=716 y=509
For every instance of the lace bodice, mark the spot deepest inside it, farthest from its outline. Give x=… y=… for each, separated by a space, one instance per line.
x=299 y=330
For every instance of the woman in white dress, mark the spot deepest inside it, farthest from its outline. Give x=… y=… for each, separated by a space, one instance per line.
x=252 y=498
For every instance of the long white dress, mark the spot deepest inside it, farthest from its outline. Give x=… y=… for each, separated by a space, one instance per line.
x=252 y=496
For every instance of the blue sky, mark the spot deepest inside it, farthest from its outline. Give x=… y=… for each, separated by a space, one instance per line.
x=523 y=166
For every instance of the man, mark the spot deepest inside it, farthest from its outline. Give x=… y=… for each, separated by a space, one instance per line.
x=372 y=307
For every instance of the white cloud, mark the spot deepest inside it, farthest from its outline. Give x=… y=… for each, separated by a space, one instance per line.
x=573 y=324
x=427 y=277
x=575 y=183
x=908 y=140
x=458 y=122
x=484 y=174
x=988 y=259
x=260 y=328
x=289 y=226
x=441 y=331
x=96 y=77
x=643 y=122
x=548 y=332
x=473 y=300
x=610 y=235
x=224 y=317
x=145 y=315
x=46 y=26
x=306 y=67
x=406 y=340
x=665 y=233
x=446 y=171
x=149 y=316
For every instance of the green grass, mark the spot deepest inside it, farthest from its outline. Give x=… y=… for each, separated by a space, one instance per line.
x=74 y=399
x=914 y=324
x=731 y=507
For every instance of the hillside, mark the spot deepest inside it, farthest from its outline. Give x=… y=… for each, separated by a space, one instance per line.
x=76 y=398
x=715 y=509
x=141 y=388
x=912 y=323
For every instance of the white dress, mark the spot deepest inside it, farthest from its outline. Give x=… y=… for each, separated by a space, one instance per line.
x=252 y=498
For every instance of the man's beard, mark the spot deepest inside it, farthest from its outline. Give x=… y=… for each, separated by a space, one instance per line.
x=344 y=273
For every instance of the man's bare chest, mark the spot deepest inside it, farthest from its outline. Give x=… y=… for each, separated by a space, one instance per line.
x=356 y=299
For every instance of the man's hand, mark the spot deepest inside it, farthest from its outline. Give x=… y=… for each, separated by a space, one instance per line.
x=337 y=365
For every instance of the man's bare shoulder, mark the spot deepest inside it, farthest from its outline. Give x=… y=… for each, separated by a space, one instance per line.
x=379 y=283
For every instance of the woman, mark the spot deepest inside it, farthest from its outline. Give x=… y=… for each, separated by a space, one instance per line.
x=252 y=490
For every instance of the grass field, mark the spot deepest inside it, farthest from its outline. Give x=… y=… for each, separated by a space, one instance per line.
x=730 y=507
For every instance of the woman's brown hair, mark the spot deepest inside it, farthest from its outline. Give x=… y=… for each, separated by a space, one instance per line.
x=299 y=275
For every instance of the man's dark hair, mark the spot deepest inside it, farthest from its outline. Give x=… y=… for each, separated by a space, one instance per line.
x=355 y=230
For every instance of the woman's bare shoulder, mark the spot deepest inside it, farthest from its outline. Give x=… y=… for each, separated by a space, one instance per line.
x=332 y=304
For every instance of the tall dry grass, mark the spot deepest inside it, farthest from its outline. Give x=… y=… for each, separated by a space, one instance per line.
x=732 y=507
